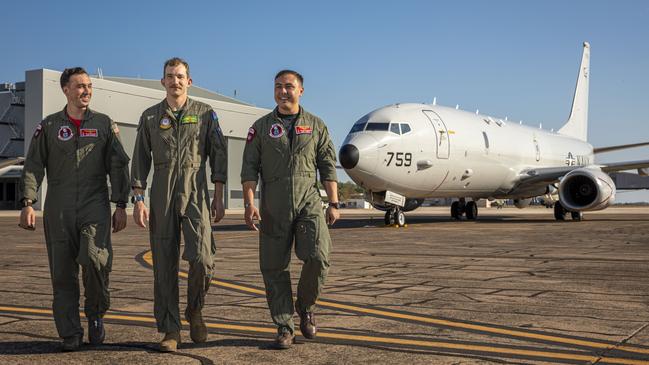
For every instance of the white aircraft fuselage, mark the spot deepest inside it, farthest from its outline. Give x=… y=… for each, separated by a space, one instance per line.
x=454 y=153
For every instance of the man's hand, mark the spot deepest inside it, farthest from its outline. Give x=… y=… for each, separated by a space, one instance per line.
x=140 y=214
x=217 y=210
x=250 y=215
x=332 y=215
x=119 y=219
x=28 y=218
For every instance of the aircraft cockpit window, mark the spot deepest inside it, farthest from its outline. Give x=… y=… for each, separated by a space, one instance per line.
x=357 y=128
x=378 y=127
x=405 y=128
x=394 y=128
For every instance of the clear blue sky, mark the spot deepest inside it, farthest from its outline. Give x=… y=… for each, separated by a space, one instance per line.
x=507 y=58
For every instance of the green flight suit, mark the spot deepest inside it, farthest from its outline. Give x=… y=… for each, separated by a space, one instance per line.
x=76 y=215
x=291 y=207
x=179 y=149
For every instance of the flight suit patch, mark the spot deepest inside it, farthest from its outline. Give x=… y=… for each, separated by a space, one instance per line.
x=215 y=118
x=65 y=133
x=39 y=129
x=251 y=134
x=276 y=130
x=86 y=132
x=165 y=123
x=302 y=129
x=189 y=119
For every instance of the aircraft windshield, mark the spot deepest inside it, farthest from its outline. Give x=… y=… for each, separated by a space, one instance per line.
x=377 y=127
x=360 y=125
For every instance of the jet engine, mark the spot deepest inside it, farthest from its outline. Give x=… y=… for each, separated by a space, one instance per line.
x=586 y=189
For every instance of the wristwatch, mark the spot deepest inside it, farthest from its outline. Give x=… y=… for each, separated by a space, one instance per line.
x=27 y=203
x=334 y=205
x=247 y=205
x=121 y=205
x=137 y=198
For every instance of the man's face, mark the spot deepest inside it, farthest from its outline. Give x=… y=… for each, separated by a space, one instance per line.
x=287 y=93
x=78 y=90
x=176 y=81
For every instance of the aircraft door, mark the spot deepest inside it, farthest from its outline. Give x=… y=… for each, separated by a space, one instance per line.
x=443 y=143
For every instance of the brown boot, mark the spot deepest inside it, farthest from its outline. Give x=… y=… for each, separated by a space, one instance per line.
x=307 y=324
x=170 y=342
x=284 y=340
x=197 y=327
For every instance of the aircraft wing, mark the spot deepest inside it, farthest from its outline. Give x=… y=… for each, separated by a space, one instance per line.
x=549 y=175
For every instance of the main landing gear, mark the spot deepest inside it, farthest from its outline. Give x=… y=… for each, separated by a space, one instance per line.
x=462 y=207
x=395 y=216
x=560 y=213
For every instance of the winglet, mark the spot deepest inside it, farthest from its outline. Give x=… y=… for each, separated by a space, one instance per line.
x=577 y=124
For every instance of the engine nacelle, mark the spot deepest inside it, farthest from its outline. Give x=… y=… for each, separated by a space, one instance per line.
x=586 y=189
x=522 y=203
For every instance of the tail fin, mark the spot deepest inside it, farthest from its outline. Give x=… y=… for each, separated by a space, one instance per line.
x=577 y=124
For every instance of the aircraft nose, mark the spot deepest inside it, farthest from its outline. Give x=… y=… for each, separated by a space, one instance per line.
x=348 y=156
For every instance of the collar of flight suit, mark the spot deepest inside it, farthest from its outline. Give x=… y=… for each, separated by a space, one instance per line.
x=165 y=109
x=63 y=114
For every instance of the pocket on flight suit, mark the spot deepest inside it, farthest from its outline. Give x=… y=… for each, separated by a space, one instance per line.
x=91 y=252
x=306 y=239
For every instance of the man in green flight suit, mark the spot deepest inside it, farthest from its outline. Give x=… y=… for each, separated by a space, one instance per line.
x=179 y=135
x=286 y=148
x=78 y=148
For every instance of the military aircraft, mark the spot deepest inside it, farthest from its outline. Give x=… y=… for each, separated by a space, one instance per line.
x=403 y=153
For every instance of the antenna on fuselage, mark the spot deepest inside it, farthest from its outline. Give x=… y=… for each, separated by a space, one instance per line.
x=457 y=106
x=435 y=100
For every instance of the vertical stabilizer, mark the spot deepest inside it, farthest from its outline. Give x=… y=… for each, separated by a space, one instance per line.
x=577 y=124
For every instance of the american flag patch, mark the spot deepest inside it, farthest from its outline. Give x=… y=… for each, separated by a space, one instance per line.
x=85 y=132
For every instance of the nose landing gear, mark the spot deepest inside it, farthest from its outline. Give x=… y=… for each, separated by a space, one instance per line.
x=395 y=216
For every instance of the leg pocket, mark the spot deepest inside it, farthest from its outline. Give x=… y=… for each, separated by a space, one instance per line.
x=92 y=252
x=306 y=238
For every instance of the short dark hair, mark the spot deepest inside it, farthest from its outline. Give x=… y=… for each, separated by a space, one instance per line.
x=175 y=62
x=69 y=72
x=290 y=72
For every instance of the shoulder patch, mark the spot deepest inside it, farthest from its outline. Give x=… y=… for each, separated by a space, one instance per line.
x=215 y=118
x=251 y=135
x=38 y=131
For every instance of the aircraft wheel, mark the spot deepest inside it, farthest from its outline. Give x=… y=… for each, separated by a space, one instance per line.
x=400 y=218
x=577 y=216
x=389 y=218
x=471 y=210
x=455 y=210
x=559 y=212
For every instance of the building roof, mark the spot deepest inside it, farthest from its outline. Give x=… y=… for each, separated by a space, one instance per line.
x=194 y=90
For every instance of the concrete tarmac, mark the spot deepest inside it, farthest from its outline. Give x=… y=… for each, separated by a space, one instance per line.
x=515 y=287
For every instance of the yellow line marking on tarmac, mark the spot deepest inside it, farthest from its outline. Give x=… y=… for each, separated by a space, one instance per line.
x=374 y=339
x=442 y=322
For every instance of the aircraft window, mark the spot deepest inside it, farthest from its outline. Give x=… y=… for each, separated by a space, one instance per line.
x=486 y=140
x=357 y=128
x=377 y=126
x=405 y=128
x=394 y=128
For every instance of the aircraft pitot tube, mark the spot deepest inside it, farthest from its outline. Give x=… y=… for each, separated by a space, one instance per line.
x=586 y=189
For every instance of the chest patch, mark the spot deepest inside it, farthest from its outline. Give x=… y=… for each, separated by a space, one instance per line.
x=165 y=123
x=303 y=129
x=87 y=132
x=189 y=119
x=276 y=130
x=65 y=133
